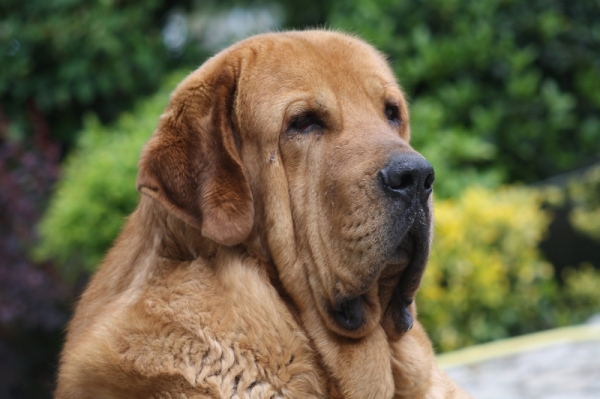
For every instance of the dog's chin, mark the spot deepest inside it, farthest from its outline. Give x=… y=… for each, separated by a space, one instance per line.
x=399 y=259
x=387 y=299
x=355 y=315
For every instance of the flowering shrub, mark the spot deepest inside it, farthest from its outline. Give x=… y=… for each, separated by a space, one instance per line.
x=486 y=279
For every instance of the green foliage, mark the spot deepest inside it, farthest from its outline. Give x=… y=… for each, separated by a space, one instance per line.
x=486 y=279
x=61 y=58
x=580 y=295
x=97 y=191
x=502 y=90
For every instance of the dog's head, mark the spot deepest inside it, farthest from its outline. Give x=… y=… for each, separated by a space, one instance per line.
x=300 y=142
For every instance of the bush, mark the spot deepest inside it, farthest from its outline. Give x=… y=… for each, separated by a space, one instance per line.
x=486 y=278
x=63 y=58
x=97 y=191
x=580 y=295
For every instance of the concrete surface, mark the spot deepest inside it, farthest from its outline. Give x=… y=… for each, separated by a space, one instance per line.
x=556 y=364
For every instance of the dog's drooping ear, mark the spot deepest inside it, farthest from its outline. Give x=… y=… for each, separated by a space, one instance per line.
x=192 y=166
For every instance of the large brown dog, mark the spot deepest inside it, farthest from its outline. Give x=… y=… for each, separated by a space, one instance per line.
x=280 y=241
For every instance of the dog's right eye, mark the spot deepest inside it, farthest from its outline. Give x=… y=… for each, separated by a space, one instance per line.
x=306 y=123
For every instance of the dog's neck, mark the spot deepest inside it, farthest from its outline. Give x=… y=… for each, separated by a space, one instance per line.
x=172 y=237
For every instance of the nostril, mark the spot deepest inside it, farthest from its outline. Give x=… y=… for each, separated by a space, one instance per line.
x=428 y=185
x=404 y=182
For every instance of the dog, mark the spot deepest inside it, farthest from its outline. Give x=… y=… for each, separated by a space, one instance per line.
x=280 y=239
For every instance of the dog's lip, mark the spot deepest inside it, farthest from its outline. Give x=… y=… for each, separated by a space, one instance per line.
x=402 y=255
x=400 y=258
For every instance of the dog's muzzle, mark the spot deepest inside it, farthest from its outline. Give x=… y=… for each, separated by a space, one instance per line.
x=407 y=183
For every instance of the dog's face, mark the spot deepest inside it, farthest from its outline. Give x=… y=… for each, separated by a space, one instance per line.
x=337 y=124
x=300 y=143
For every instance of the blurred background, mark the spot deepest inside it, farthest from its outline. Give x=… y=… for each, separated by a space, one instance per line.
x=505 y=102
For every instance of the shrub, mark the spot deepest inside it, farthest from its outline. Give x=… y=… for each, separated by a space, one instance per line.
x=97 y=190
x=61 y=59
x=580 y=295
x=487 y=280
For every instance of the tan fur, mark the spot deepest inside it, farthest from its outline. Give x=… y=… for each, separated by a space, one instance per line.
x=222 y=282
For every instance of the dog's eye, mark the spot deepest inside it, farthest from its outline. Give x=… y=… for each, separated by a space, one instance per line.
x=392 y=114
x=306 y=123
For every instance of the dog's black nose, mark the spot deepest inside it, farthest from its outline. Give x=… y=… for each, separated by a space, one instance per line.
x=407 y=176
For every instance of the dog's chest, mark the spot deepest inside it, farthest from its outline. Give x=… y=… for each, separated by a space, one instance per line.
x=222 y=335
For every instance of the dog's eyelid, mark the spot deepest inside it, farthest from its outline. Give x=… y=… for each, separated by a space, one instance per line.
x=392 y=112
x=306 y=122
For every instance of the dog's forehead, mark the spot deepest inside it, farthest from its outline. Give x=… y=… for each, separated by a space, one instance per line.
x=319 y=58
x=283 y=75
